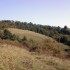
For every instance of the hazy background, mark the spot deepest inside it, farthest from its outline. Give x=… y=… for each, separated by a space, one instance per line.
x=46 y=12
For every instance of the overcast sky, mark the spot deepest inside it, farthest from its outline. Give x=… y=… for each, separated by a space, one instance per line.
x=46 y=12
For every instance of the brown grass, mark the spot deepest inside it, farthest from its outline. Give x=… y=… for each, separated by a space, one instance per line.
x=30 y=35
x=15 y=58
x=41 y=42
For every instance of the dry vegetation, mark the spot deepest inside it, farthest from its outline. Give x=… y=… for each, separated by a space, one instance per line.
x=6 y=24
x=41 y=43
x=16 y=58
x=30 y=35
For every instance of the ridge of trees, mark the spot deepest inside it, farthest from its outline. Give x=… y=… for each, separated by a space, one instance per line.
x=60 y=34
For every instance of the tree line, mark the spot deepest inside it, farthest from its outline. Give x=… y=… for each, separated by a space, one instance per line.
x=59 y=34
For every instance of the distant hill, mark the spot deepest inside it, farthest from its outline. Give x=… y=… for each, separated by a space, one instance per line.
x=61 y=35
x=41 y=43
x=30 y=35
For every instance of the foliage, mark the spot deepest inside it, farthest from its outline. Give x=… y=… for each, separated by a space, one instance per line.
x=6 y=34
x=47 y=45
x=57 y=33
x=24 y=39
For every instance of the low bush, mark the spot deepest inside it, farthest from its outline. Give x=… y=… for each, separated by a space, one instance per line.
x=6 y=34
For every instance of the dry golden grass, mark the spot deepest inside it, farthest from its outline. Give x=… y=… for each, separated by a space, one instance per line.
x=41 y=42
x=16 y=58
x=30 y=35
x=16 y=43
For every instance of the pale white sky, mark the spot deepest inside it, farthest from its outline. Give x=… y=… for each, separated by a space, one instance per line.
x=46 y=12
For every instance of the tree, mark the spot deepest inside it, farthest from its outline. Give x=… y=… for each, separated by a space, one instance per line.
x=65 y=27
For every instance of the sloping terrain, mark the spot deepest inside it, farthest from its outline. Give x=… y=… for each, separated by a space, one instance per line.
x=41 y=43
x=13 y=55
x=61 y=35
x=30 y=35
x=15 y=58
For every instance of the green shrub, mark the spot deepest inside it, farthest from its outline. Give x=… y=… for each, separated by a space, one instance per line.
x=13 y=37
x=7 y=34
x=24 y=39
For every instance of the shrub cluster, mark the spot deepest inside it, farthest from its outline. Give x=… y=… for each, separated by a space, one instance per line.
x=6 y=34
x=30 y=44
x=58 y=33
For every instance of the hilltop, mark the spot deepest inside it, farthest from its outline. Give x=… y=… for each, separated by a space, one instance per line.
x=30 y=35
x=41 y=43
x=61 y=35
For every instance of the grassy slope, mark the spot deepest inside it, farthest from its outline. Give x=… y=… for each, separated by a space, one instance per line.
x=49 y=42
x=15 y=58
x=30 y=35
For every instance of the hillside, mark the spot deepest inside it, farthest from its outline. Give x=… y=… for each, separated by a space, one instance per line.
x=30 y=35
x=61 y=35
x=31 y=50
x=41 y=43
x=15 y=58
